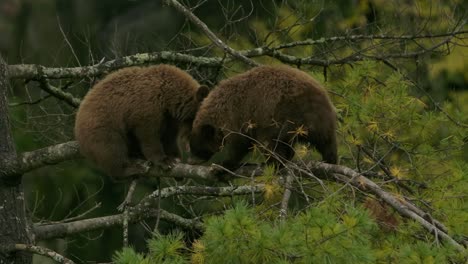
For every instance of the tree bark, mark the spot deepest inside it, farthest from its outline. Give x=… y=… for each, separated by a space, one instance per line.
x=14 y=225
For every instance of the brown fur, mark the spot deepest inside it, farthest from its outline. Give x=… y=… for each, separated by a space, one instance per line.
x=268 y=104
x=134 y=112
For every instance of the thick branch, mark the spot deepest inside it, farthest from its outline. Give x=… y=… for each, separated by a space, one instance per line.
x=218 y=42
x=28 y=161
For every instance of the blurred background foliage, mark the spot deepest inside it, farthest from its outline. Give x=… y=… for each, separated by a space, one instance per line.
x=403 y=118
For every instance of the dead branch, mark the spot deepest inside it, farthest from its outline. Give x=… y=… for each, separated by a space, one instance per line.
x=309 y=42
x=286 y=196
x=37 y=250
x=33 y=71
x=66 y=229
x=217 y=41
x=59 y=93
x=144 y=209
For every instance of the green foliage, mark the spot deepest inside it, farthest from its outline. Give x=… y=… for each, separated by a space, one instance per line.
x=315 y=236
x=167 y=249
x=128 y=256
x=318 y=235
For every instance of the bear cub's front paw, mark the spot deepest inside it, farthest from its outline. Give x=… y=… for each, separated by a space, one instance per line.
x=164 y=164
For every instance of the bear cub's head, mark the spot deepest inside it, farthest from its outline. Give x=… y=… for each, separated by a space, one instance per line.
x=205 y=141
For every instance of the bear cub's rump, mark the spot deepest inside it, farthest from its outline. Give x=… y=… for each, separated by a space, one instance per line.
x=272 y=105
x=137 y=112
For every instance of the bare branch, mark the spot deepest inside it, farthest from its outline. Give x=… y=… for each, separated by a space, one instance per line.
x=37 y=250
x=28 y=161
x=287 y=194
x=65 y=229
x=143 y=210
x=218 y=42
x=59 y=93
x=308 y=42
x=31 y=71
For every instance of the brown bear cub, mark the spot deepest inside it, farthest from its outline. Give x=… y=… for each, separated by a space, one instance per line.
x=275 y=106
x=137 y=112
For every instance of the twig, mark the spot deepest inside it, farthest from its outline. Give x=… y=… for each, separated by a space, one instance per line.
x=37 y=250
x=125 y=227
x=287 y=194
x=218 y=42
x=124 y=206
x=128 y=198
x=96 y=206
x=68 y=42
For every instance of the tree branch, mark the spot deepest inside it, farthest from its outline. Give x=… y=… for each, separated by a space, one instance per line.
x=66 y=229
x=286 y=196
x=59 y=93
x=144 y=209
x=37 y=250
x=218 y=42
x=309 y=42
x=28 y=161
x=33 y=71
x=61 y=152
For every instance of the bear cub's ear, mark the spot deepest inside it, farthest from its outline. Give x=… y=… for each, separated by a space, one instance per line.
x=202 y=92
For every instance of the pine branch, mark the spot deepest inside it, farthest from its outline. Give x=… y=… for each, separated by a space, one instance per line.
x=405 y=208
